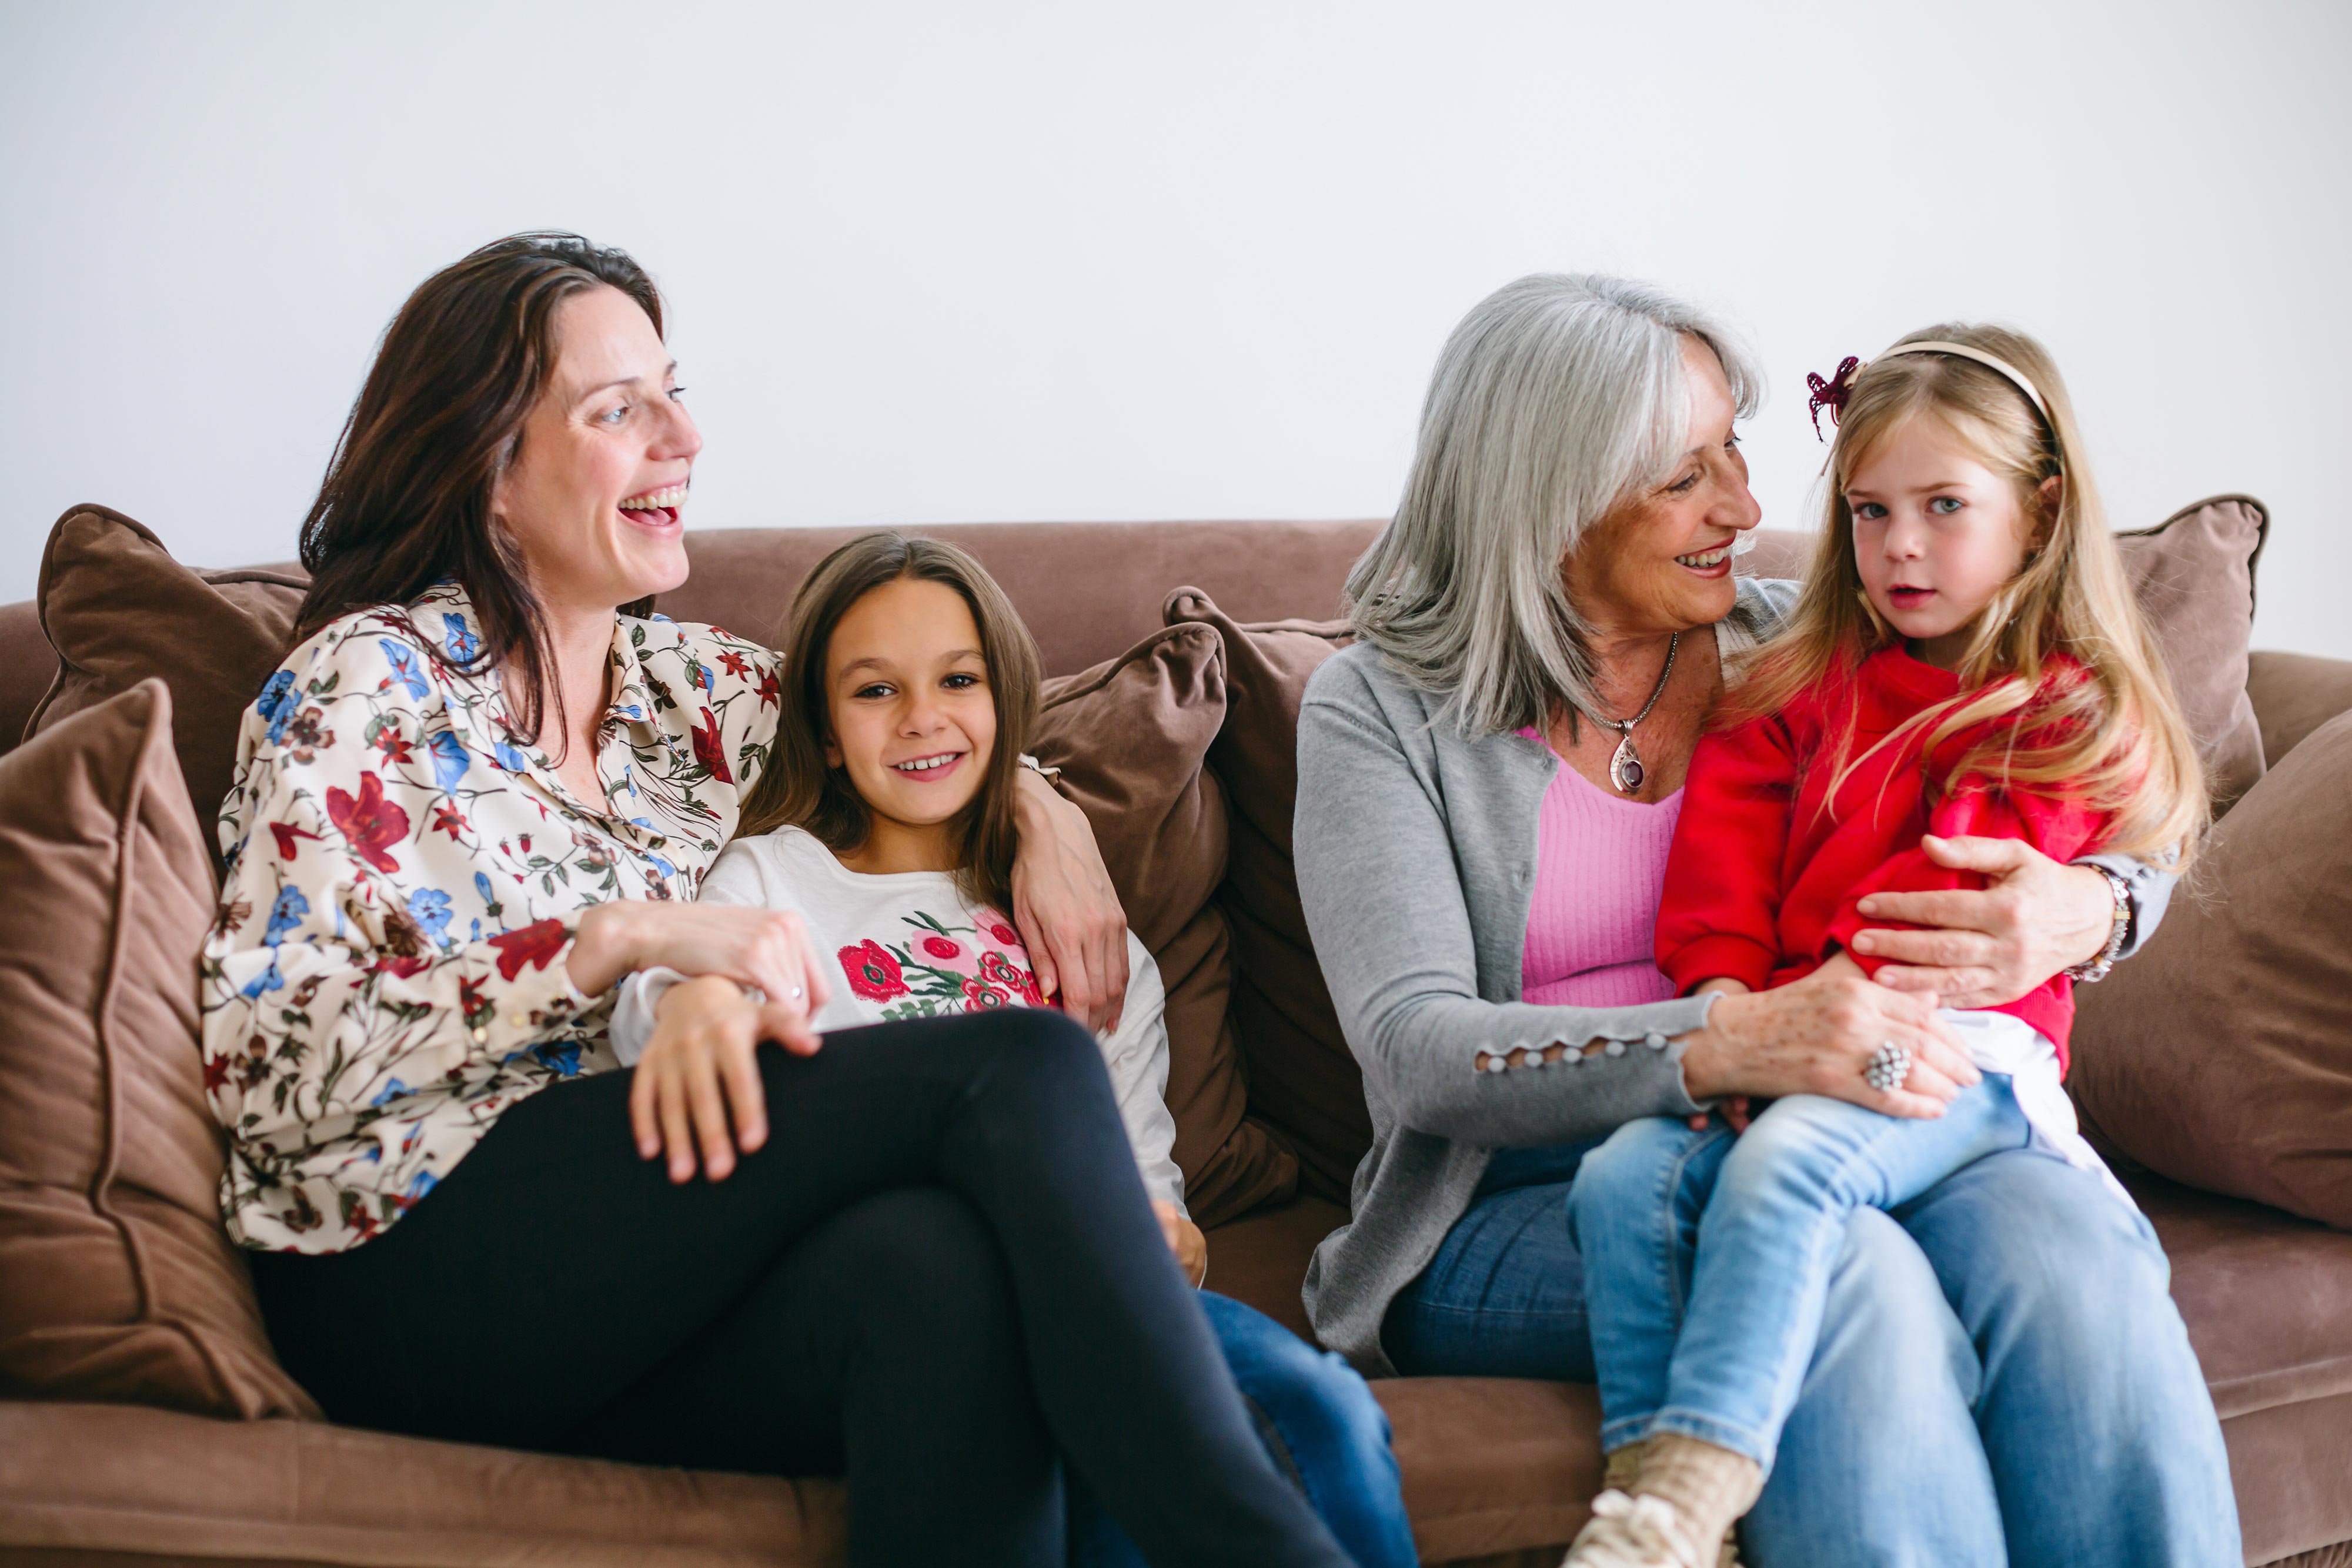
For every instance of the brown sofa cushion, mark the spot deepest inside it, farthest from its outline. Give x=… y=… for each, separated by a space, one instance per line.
x=1129 y=735
x=2194 y=574
x=2221 y=1055
x=116 y=1278
x=118 y=610
x=1302 y=1079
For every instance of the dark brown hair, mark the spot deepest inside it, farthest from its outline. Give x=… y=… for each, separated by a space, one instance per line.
x=801 y=790
x=406 y=500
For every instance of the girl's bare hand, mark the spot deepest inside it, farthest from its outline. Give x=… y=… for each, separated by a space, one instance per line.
x=767 y=949
x=1815 y=1036
x=697 y=1090
x=1184 y=1241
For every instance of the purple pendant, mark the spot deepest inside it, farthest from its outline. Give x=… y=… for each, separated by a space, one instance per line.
x=1625 y=768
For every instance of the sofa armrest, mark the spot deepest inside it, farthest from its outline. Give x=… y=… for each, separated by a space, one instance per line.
x=2295 y=694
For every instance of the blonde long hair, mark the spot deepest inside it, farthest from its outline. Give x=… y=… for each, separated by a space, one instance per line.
x=2116 y=738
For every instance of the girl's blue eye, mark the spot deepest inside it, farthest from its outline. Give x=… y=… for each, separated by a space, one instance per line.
x=1870 y=509
x=1945 y=505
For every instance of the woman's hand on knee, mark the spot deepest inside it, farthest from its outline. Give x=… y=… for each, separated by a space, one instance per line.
x=1817 y=1036
x=698 y=1087
x=768 y=949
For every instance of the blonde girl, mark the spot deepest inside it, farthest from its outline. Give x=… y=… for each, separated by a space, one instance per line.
x=1965 y=659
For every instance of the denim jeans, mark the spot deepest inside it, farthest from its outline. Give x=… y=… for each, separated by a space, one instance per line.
x=1722 y=1363
x=1319 y=1422
x=2000 y=1378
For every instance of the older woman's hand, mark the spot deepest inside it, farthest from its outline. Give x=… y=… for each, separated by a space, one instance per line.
x=1817 y=1035
x=1067 y=908
x=698 y=1086
x=766 y=949
x=2033 y=918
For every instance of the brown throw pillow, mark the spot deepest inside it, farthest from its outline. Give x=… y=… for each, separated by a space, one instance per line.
x=2194 y=574
x=2221 y=1055
x=1302 y=1079
x=117 y=1282
x=1129 y=735
x=118 y=610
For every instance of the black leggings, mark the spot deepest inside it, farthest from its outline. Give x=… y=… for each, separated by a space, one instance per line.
x=939 y=1272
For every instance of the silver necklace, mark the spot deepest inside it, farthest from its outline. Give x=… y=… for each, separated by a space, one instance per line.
x=1625 y=769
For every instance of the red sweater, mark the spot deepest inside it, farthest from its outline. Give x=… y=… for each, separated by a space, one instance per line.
x=1761 y=883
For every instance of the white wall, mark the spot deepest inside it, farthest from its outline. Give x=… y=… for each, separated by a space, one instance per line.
x=944 y=261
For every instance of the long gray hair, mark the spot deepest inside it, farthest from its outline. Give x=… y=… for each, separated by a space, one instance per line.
x=1558 y=396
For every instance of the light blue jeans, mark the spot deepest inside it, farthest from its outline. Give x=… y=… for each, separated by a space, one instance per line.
x=1723 y=1363
x=1319 y=1422
x=2000 y=1379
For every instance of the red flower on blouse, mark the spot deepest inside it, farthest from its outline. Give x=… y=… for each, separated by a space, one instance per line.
x=940 y=948
x=977 y=994
x=997 y=967
x=447 y=819
x=369 y=823
x=873 y=973
x=1004 y=934
x=736 y=666
x=769 y=690
x=707 y=749
x=534 y=944
x=287 y=832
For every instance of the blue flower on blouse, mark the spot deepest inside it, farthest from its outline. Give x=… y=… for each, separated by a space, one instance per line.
x=277 y=705
x=284 y=916
x=490 y=895
x=421 y=1186
x=562 y=1055
x=392 y=1091
x=462 y=644
x=511 y=759
x=449 y=760
x=429 y=907
x=403 y=660
x=668 y=870
x=270 y=979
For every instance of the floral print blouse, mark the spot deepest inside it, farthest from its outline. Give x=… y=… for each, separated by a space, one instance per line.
x=388 y=971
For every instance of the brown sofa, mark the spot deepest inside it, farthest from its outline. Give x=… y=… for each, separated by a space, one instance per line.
x=1496 y=1470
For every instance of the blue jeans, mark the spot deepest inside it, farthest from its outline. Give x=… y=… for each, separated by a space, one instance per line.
x=2000 y=1378
x=1723 y=1361
x=1318 y=1421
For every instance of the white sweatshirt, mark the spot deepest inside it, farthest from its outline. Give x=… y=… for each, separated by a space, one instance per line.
x=908 y=945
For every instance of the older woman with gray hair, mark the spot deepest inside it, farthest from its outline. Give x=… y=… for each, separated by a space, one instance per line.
x=1488 y=783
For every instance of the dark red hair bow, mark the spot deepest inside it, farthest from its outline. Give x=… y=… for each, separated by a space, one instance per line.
x=1831 y=393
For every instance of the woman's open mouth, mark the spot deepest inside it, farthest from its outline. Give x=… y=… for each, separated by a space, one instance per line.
x=1716 y=562
x=656 y=509
x=927 y=770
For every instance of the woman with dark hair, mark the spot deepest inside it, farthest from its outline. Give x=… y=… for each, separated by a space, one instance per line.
x=475 y=797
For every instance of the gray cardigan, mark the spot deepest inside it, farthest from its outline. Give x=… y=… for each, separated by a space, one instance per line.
x=1416 y=851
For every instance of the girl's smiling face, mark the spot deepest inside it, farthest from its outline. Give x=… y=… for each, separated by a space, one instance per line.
x=910 y=715
x=1935 y=535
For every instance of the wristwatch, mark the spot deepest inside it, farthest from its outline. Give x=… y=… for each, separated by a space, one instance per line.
x=2095 y=969
x=1039 y=768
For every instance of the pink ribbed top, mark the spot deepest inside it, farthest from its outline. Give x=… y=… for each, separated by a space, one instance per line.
x=1601 y=864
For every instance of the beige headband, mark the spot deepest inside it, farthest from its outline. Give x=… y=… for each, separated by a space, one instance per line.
x=2016 y=377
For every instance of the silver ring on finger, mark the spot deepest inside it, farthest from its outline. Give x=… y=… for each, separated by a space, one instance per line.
x=1887 y=1068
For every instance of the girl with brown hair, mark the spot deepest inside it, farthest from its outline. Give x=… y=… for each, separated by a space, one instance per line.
x=883 y=824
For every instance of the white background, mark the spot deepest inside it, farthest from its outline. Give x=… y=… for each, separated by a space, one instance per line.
x=956 y=262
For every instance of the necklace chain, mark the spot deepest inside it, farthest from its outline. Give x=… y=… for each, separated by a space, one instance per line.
x=1625 y=726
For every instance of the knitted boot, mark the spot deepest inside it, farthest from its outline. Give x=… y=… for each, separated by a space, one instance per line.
x=1710 y=1488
